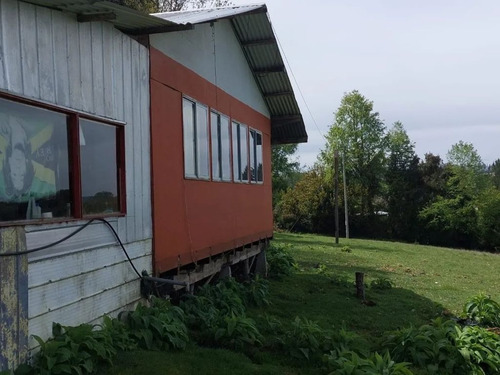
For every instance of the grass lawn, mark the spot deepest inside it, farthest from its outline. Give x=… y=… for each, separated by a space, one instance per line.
x=427 y=282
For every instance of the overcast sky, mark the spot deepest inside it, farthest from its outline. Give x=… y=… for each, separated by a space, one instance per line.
x=434 y=65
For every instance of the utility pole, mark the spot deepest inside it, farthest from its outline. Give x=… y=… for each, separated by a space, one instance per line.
x=345 y=198
x=336 y=192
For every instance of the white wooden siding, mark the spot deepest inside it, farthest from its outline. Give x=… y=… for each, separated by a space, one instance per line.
x=90 y=67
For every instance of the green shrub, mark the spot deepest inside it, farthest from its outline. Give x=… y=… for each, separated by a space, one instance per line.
x=430 y=347
x=350 y=363
x=119 y=333
x=346 y=249
x=237 y=332
x=304 y=339
x=160 y=326
x=279 y=260
x=480 y=348
x=73 y=350
x=381 y=283
x=256 y=292
x=483 y=310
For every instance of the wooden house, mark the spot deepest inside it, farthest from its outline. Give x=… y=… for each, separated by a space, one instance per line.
x=150 y=130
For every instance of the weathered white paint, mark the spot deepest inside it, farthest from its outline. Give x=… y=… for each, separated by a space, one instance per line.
x=90 y=67
x=227 y=69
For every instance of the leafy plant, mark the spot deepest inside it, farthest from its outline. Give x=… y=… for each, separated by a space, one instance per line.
x=430 y=347
x=351 y=363
x=73 y=350
x=381 y=283
x=279 y=260
x=119 y=333
x=346 y=249
x=256 y=292
x=483 y=310
x=304 y=339
x=480 y=348
x=160 y=326
x=236 y=332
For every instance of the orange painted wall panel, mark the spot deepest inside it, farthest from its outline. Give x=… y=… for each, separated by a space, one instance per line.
x=193 y=219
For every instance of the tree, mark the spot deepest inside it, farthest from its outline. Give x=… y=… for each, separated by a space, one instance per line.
x=404 y=193
x=285 y=171
x=455 y=213
x=358 y=134
x=308 y=206
x=495 y=173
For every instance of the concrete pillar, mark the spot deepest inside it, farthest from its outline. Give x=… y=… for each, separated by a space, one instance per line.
x=13 y=299
x=225 y=271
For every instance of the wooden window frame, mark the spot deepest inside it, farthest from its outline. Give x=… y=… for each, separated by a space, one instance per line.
x=75 y=183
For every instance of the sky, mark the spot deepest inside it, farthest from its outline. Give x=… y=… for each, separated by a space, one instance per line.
x=434 y=65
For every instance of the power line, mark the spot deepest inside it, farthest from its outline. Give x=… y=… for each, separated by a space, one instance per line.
x=297 y=84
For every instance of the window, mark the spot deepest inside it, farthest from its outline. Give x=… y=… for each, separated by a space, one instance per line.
x=240 y=152
x=56 y=164
x=255 y=156
x=221 y=147
x=196 y=152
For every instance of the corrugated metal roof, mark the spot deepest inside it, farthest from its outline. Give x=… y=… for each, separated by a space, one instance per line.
x=258 y=41
x=124 y=18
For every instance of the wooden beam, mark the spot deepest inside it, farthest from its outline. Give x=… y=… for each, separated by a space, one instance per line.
x=96 y=17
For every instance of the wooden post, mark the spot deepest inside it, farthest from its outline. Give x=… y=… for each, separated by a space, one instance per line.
x=336 y=192
x=360 y=285
x=13 y=299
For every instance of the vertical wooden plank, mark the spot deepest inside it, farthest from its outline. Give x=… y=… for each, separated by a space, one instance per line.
x=73 y=61
x=13 y=299
x=45 y=54
x=11 y=50
x=97 y=68
x=108 y=67
x=145 y=140
x=118 y=74
x=3 y=77
x=129 y=137
x=86 y=82
x=29 y=58
x=61 y=59
x=137 y=144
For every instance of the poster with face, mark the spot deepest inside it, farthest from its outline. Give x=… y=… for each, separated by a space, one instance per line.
x=33 y=155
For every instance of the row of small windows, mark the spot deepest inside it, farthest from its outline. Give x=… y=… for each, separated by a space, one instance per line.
x=246 y=146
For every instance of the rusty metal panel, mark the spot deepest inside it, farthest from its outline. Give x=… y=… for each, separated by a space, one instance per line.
x=13 y=299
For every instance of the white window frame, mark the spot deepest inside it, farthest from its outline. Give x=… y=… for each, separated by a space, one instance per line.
x=199 y=157
x=238 y=144
x=221 y=153
x=256 y=156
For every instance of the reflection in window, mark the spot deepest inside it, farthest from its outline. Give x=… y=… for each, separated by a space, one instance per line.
x=255 y=156
x=221 y=150
x=98 y=168
x=34 y=177
x=195 y=130
x=240 y=152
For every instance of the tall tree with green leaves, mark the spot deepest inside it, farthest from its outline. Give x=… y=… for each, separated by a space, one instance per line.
x=285 y=169
x=495 y=173
x=358 y=134
x=455 y=213
x=153 y=6
x=403 y=184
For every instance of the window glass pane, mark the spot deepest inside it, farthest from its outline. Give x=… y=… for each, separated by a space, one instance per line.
x=253 y=162
x=214 y=126
x=99 y=167
x=202 y=150
x=225 y=148
x=258 y=151
x=244 y=153
x=189 y=138
x=34 y=173
x=236 y=152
